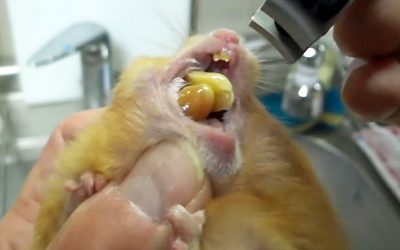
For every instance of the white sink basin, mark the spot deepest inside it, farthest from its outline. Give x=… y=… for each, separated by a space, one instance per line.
x=370 y=219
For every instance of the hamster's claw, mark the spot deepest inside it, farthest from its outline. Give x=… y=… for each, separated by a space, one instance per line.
x=187 y=226
x=178 y=244
x=89 y=183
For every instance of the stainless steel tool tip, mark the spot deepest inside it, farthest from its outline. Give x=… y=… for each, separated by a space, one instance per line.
x=293 y=26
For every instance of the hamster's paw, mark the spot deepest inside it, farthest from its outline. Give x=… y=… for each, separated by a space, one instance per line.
x=88 y=184
x=178 y=244
x=187 y=226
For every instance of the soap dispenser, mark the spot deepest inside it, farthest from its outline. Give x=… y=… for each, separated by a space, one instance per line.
x=303 y=95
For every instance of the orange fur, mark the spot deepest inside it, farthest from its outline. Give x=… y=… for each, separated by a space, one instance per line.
x=103 y=147
x=273 y=202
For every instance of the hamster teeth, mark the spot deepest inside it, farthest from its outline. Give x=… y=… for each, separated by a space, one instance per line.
x=220 y=85
x=196 y=101
x=206 y=92
x=224 y=55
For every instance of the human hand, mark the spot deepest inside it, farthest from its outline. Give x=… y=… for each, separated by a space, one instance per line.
x=370 y=30
x=16 y=228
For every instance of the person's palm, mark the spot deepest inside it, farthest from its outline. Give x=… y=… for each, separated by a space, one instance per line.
x=176 y=183
x=16 y=227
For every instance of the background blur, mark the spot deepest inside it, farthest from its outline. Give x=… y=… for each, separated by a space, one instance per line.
x=357 y=162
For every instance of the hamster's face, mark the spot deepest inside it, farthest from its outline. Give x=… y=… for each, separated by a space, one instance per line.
x=203 y=93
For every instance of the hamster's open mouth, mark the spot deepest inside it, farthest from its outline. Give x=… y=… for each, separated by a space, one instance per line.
x=209 y=78
x=206 y=93
x=209 y=94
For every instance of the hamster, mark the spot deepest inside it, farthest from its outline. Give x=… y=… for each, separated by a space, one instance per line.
x=264 y=193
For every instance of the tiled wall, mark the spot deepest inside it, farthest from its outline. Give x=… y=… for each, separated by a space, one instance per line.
x=137 y=27
x=233 y=14
x=6 y=48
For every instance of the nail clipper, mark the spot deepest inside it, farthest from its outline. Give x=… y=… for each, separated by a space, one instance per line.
x=292 y=26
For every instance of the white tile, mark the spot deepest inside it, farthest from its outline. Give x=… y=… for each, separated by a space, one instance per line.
x=136 y=28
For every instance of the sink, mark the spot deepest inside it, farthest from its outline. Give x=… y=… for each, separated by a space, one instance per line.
x=13 y=174
x=370 y=217
x=31 y=127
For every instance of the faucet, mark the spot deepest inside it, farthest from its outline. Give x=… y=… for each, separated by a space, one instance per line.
x=93 y=42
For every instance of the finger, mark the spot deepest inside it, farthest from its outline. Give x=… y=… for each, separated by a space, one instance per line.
x=130 y=215
x=373 y=90
x=394 y=118
x=71 y=126
x=165 y=175
x=28 y=201
x=369 y=28
x=110 y=221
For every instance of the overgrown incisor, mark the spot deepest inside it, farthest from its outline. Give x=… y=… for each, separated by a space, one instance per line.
x=205 y=93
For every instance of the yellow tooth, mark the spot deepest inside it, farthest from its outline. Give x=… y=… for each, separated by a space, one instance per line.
x=223 y=101
x=196 y=101
x=220 y=85
x=221 y=56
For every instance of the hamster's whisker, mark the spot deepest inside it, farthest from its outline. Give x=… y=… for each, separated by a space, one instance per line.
x=162 y=44
x=173 y=26
x=270 y=59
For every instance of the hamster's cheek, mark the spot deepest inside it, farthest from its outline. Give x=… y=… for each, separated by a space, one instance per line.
x=110 y=221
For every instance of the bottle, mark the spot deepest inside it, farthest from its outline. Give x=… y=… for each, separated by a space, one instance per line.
x=303 y=95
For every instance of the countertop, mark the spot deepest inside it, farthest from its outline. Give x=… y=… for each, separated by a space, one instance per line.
x=341 y=138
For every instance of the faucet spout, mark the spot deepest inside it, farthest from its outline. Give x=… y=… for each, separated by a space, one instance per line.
x=93 y=42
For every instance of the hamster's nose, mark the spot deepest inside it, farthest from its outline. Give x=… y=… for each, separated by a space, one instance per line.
x=228 y=36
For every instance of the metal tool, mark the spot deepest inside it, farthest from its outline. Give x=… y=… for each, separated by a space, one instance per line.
x=292 y=26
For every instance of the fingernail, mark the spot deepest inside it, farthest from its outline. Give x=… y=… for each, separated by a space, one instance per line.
x=393 y=116
x=144 y=193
